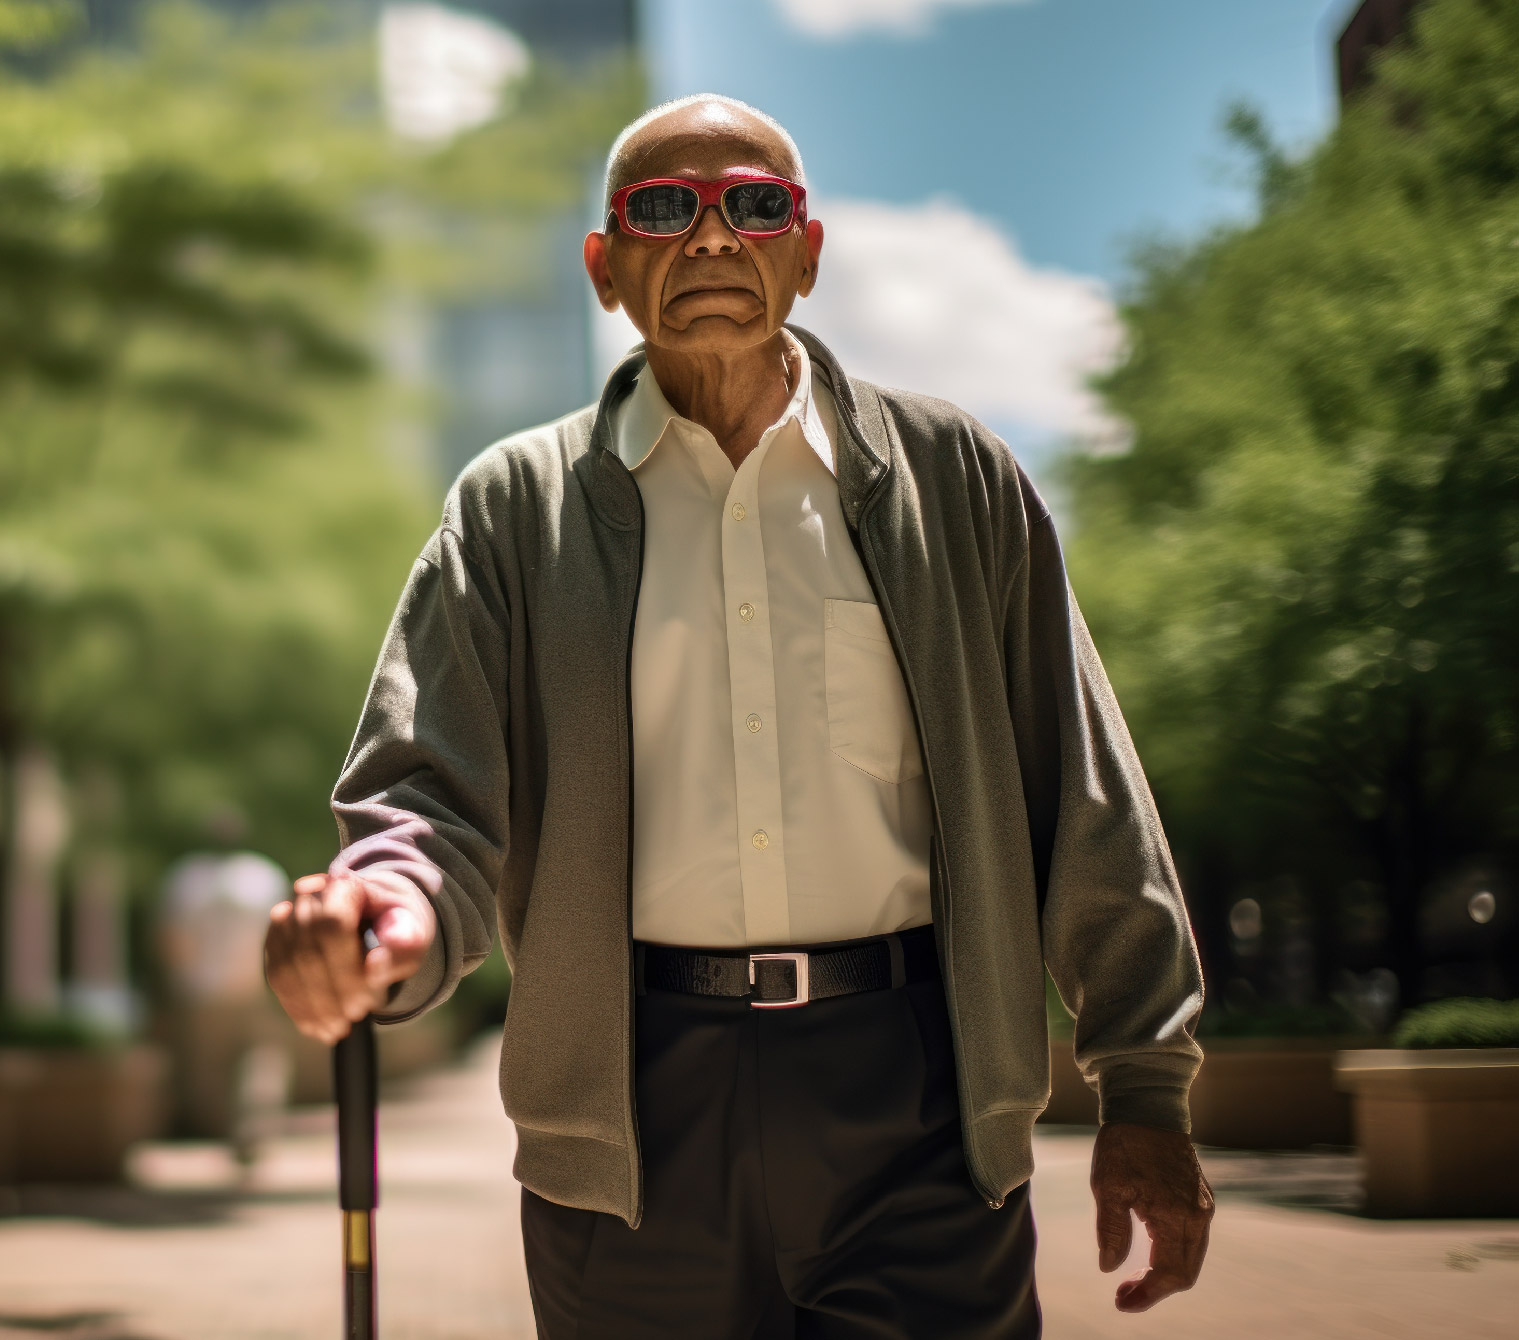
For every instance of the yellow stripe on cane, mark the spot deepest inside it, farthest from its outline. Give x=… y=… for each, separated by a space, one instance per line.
x=356 y=1239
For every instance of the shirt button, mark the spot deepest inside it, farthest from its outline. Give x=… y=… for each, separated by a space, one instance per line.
x=746 y=611
x=753 y=721
x=761 y=839
x=739 y=511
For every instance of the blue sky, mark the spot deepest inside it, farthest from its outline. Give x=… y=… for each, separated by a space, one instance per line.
x=982 y=168
x=1072 y=123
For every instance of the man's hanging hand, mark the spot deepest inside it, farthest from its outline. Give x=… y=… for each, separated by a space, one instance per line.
x=1156 y=1174
x=314 y=958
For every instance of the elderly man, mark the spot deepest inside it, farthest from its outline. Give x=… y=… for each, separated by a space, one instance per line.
x=752 y=705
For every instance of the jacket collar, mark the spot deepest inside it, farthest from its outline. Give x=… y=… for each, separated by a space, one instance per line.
x=862 y=453
x=641 y=421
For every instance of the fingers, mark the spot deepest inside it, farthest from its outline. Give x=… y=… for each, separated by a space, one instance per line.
x=1114 y=1190
x=313 y=960
x=1178 y=1245
x=1115 y=1231
x=1165 y=1275
x=332 y=922
x=298 y=976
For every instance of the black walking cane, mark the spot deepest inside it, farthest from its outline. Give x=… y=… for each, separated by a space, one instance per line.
x=354 y=1085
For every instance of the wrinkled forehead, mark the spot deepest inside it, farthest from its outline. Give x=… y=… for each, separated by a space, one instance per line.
x=705 y=150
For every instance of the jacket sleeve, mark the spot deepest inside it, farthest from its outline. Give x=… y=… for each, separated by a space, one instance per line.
x=423 y=796
x=1116 y=937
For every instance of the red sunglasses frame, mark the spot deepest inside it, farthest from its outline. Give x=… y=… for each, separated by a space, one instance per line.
x=709 y=193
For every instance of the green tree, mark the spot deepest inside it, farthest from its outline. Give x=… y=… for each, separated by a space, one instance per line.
x=1304 y=574
x=201 y=537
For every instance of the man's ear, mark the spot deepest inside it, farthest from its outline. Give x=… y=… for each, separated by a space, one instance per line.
x=814 y=250
x=601 y=275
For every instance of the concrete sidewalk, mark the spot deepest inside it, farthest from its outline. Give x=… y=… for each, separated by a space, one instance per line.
x=184 y=1254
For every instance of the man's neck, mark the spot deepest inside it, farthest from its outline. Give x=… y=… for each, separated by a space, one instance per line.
x=735 y=397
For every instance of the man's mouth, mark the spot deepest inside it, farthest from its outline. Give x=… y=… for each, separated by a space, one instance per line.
x=737 y=302
x=733 y=285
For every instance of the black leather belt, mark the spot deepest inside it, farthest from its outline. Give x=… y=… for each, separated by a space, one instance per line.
x=784 y=978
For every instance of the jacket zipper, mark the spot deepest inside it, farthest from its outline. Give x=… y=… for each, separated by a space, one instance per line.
x=627 y=680
x=993 y=1198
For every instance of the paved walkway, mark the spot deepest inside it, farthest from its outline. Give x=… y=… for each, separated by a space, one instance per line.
x=183 y=1255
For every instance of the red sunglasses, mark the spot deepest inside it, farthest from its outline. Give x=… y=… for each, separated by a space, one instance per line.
x=753 y=204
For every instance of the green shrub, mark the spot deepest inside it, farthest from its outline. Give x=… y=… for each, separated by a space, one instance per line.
x=1462 y=1021
x=25 y=1030
x=1277 y=1021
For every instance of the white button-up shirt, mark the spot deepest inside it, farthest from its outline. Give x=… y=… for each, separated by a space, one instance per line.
x=778 y=788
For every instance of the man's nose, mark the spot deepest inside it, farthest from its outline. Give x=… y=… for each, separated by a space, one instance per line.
x=711 y=236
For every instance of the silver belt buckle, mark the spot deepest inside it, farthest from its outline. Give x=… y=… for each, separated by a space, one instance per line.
x=800 y=963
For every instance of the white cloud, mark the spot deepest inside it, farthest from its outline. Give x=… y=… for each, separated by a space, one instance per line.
x=442 y=71
x=844 y=18
x=933 y=298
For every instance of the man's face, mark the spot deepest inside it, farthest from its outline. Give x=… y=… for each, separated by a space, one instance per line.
x=708 y=290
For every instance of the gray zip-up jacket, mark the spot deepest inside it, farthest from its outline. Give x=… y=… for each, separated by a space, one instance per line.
x=493 y=767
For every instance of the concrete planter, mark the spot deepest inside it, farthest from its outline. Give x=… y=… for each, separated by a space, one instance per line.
x=1250 y=1093
x=1437 y=1129
x=1270 y=1093
x=14 y=1076
x=1071 y=1102
x=74 y=1112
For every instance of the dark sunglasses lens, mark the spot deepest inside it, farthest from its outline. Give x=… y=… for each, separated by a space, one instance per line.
x=661 y=209
x=758 y=207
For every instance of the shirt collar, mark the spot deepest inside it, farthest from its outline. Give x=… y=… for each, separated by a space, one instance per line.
x=642 y=418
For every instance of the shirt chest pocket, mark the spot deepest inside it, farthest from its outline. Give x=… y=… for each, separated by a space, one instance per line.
x=870 y=721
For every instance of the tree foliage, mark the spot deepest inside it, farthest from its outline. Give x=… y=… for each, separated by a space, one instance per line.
x=201 y=534
x=1304 y=574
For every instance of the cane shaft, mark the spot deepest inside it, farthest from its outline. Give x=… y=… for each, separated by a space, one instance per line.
x=353 y=1079
x=355 y=1087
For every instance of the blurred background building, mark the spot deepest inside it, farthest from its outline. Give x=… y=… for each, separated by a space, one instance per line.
x=517 y=357
x=527 y=357
x=1375 y=25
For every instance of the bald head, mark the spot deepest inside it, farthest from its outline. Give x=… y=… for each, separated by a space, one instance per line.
x=698 y=124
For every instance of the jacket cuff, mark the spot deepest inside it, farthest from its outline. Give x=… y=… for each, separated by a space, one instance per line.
x=1160 y=1105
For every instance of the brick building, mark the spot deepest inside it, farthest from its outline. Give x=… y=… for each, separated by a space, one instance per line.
x=1374 y=25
